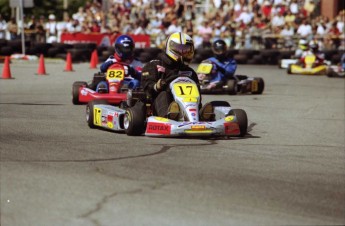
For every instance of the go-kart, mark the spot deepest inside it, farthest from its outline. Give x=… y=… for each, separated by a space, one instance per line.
x=83 y=92
x=308 y=67
x=336 y=71
x=138 y=117
x=284 y=63
x=237 y=84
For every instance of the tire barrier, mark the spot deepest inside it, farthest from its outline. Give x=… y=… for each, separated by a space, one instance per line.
x=81 y=52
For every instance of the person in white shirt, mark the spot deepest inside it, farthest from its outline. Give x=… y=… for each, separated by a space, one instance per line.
x=3 y=27
x=51 y=29
x=294 y=7
x=245 y=16
x=305 y=29
x=173 y=28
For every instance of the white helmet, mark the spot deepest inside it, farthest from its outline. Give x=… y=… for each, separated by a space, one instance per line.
x=180 y=47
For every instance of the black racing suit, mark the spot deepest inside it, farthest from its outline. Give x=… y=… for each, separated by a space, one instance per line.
x=163 y=68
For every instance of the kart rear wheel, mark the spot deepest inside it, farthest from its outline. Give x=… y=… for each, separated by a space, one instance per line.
x=75 y=91
x=330 y=72
x=242 y=119
x=232 y=87
x=261 y=85
x=90 y=112
x=289 y=69
x=134 y=120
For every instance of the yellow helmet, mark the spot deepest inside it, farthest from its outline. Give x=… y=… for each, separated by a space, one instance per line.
x=180 y=47
x=303 y=44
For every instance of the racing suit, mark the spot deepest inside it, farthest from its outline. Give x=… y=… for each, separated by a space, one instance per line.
x=163 y=68
x=223 y=69
x=320 y=57
x=132 y=77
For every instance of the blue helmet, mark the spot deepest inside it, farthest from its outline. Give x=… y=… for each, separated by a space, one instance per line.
x=124 y=47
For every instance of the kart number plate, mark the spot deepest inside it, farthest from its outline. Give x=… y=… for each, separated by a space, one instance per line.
x=115 y=74
x=97 y=116
x=188 y=91
x=204 y=68
x=254 y=86
x=198 y=127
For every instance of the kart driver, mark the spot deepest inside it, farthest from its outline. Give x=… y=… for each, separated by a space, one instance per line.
x=302 y=48
x=124 y=55
x=224 y=67
x=157 y=74
x=314 y=50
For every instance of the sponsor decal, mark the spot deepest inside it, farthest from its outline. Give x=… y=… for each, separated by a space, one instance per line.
x=192 y=109
x=161 y=119
x=193 y=114
x=193 y=123
x=229 y=118
x=198 y=127
x=83 y=92
x=254 y=86
x=97 y=116
x=110 y=118
x=160 y=68
x=231 y=128
x=159 y=128
x=112 y=88
x=110 y=125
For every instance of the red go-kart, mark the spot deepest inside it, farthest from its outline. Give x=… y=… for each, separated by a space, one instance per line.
x=83 y=92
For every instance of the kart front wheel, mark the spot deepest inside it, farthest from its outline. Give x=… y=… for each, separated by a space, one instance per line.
x=261 y=86
x=134 y=120
x=232 y=87
x=242 y=119
x=75 y=92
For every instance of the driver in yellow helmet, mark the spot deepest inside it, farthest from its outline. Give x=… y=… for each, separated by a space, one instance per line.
x=179 y=51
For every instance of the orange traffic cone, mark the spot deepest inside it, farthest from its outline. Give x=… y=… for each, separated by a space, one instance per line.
x=6 y=71
x=41 y=68
x=94 y=59
x=69 y=66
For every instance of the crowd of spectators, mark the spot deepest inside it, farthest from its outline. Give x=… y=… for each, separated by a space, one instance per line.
x=251 y=24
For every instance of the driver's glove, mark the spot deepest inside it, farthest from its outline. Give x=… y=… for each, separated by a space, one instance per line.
x=160 y=85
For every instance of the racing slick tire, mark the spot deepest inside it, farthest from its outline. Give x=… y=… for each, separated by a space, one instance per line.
x=232 y=87
x=75 y=92
x=135 y=119
x=289 y=69
x=90 y=111
x=242 y=119
x=261 y=85
x=330 y=72
x=220 y=103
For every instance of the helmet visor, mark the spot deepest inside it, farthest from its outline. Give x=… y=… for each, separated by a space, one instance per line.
x=125 y=50
x=185 y=51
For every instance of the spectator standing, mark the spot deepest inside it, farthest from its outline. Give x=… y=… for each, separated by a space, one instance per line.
x=40 y=29
x=288 y=32
x=173 y=28
x=266 y=9
x=245 y=16
x=12 y=28
x=278 y=20
x=51 y=29
x=289 y=17
x=305 y=30
x=3 y=28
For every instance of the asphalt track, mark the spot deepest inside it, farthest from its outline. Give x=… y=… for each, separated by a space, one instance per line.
x=55 y=170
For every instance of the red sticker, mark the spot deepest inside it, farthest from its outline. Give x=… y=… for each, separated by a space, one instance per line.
x=110 y=118
x=231 y=128
x=158 y=128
